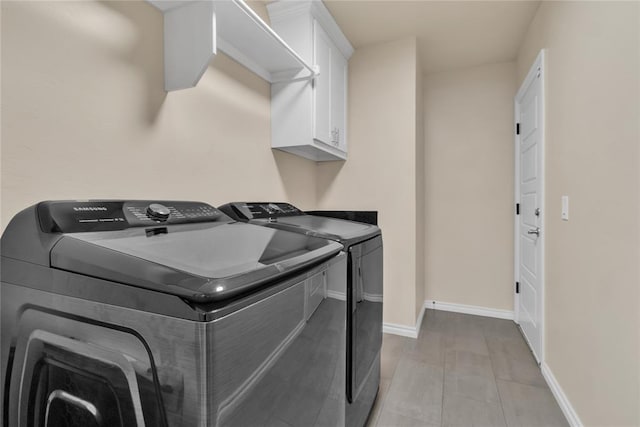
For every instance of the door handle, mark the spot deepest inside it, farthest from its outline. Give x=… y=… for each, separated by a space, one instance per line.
x=535 y=231
x=72 y=400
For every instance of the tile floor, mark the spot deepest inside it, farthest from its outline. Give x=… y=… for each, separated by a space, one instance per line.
x=462 y=370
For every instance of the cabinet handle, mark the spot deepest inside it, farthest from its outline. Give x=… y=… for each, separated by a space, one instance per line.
x=335 y=136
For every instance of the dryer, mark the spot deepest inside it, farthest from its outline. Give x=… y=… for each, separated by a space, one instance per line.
x=364 y=294
x=140 y=313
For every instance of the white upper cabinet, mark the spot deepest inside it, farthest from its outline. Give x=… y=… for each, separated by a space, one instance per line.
x=322 y=53
x=339 y=72
x=304 y=59
x=308 y=117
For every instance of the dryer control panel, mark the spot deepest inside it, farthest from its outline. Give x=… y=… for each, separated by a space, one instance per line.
x=245 y=211
x=109 y=215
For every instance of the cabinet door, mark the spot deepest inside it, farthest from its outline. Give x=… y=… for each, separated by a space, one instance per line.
x=322 y=56
x=338 y=100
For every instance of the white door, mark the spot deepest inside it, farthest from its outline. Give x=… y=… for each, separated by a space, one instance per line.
x=529 y=299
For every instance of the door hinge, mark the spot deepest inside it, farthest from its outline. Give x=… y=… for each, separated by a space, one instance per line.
x=517 y=128
x=517 y=287
x=517 y=208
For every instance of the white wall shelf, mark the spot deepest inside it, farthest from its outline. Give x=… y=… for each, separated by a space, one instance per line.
x=194 y=29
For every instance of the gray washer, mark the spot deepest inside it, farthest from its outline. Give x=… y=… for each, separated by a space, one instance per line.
x=115 y=313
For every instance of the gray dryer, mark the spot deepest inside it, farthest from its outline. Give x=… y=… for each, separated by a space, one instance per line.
x=363 y=245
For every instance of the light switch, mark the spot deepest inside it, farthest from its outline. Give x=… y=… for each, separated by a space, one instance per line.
x=565 y=208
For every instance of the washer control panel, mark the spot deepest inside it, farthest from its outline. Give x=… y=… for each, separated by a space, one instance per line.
x=245 y=211
x=109 y=215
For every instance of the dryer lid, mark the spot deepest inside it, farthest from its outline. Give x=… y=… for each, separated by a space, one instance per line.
x=202 y=262
x=288 y=217
x=333 y=228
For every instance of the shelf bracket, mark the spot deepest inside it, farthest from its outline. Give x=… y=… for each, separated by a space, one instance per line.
x=189 y=41
x=288 y=77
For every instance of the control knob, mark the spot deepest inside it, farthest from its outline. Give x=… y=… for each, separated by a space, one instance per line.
x=158 y=212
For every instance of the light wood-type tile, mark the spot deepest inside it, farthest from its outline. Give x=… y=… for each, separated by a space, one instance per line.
x=462 y=370
x=416 y=391
x=527 y=405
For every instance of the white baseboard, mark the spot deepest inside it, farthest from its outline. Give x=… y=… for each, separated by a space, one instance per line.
x=402 y=330
x=563 y=401
x=412 y=331
x=469 y=309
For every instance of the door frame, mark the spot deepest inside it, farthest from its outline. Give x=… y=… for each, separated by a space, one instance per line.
x=538 y=66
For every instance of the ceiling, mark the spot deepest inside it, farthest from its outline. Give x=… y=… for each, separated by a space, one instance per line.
x=451 y=34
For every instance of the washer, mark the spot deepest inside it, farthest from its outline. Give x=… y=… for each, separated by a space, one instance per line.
x=140 y=313
x=363 y=245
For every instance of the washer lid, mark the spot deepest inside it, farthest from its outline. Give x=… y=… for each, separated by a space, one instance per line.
x=202 y=262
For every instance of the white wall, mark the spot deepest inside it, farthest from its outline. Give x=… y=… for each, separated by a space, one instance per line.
x=380 y=173
x=593 y=156
x=420 y=191
x=469 y=164
x=84 y=115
